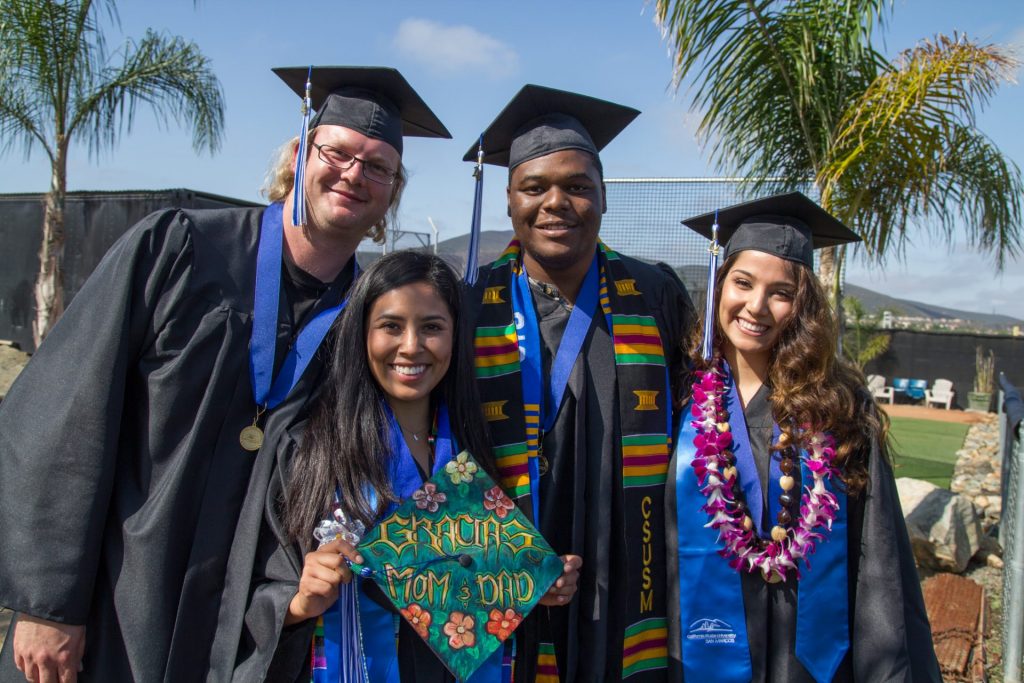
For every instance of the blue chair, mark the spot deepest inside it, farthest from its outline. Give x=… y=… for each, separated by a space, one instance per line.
x=917 y=388
x=900 y=384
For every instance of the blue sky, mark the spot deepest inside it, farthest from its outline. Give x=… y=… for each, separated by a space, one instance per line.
x=467 y=59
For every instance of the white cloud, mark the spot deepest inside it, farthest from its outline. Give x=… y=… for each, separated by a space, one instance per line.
x=455 y=49
x=1016 y=44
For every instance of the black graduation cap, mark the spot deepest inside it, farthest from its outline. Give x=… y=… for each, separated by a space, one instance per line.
x=375 y=101
x=540 y=121
x=790 y=226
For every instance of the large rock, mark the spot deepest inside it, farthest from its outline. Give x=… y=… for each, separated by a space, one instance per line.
x=944 y=527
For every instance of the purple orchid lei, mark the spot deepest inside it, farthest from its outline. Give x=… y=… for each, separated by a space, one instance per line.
x=717 y=479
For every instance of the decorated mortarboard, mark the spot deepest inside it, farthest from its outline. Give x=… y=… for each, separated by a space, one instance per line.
x=461 y=563
x=375 y=101
x=790 y=226
x=536 y=122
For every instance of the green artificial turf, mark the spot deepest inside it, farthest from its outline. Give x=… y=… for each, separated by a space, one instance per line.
x=926 y=449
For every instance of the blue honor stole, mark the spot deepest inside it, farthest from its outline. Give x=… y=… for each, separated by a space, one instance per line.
x=712 y=615
x=269 y=391
x=542 y=401
x=360 y=629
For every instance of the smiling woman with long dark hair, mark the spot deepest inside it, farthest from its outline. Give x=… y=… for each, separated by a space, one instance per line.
x=400 y=398
x=792 y=561
x=348 y=432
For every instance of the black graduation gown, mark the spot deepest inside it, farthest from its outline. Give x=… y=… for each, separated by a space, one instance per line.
x=581 y=495
x=890 y=639
x=270 y=651
x=121 y=475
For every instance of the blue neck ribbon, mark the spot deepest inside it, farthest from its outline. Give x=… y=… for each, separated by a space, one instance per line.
x=268 y=390
x=544 y=399
x=367 y=627
x=712 y=615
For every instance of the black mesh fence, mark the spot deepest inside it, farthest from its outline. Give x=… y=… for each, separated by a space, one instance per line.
x=644 y=214
x=92 y=222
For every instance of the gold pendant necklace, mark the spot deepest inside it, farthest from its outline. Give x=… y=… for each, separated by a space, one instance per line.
x=251 y=436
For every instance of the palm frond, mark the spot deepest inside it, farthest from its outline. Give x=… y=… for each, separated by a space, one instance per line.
x=170 y=75
x=59 y=81
x=19 y=119
x=771 y=78
x=908 y=151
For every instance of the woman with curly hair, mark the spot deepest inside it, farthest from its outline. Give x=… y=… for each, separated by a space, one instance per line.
x=793 y=560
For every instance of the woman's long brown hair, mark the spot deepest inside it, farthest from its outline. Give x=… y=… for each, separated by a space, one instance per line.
x=809 y=384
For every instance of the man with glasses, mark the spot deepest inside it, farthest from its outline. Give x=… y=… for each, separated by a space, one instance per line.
x=128 y=443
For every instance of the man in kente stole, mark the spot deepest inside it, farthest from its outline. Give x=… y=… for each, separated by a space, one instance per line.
x=574 y=348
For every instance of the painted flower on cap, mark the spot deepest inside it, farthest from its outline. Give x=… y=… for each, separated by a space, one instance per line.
x=418 y=618
x=459 y=630
x=495 y=499
x=502 y=624
x=429 y=498
x=461 y=469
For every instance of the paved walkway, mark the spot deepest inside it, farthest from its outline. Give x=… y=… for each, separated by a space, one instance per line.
x=939 y=414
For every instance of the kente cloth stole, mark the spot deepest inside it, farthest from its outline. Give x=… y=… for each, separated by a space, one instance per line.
x=644 y=435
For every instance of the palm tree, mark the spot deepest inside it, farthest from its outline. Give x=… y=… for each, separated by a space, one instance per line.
x=793 y=93
x=863 y=342
x=59 y=84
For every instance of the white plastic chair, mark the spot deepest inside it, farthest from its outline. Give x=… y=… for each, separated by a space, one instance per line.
x=876 y=385
x=940 y=393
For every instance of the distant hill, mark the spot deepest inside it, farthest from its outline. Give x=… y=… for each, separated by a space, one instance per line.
x=492 y=243
x=875 y=302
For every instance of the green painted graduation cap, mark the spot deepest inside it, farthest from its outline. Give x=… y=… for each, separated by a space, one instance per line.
x=539 y=121
x=461 y=563
x=789 y=226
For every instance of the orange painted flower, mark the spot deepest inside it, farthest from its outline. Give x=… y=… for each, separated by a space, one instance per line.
x=501 y=624
x=459 y=630
x=418 y=618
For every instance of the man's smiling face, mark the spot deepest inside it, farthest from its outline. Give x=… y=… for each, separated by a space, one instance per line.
x=555 y=202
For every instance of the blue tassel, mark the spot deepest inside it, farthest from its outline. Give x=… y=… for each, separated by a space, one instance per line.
x=709 y=303
x=299 y=191
x=343 y=634
x=472 y=256
x=351 y=656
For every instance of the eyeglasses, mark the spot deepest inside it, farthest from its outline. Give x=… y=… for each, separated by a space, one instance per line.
x=340 y=159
